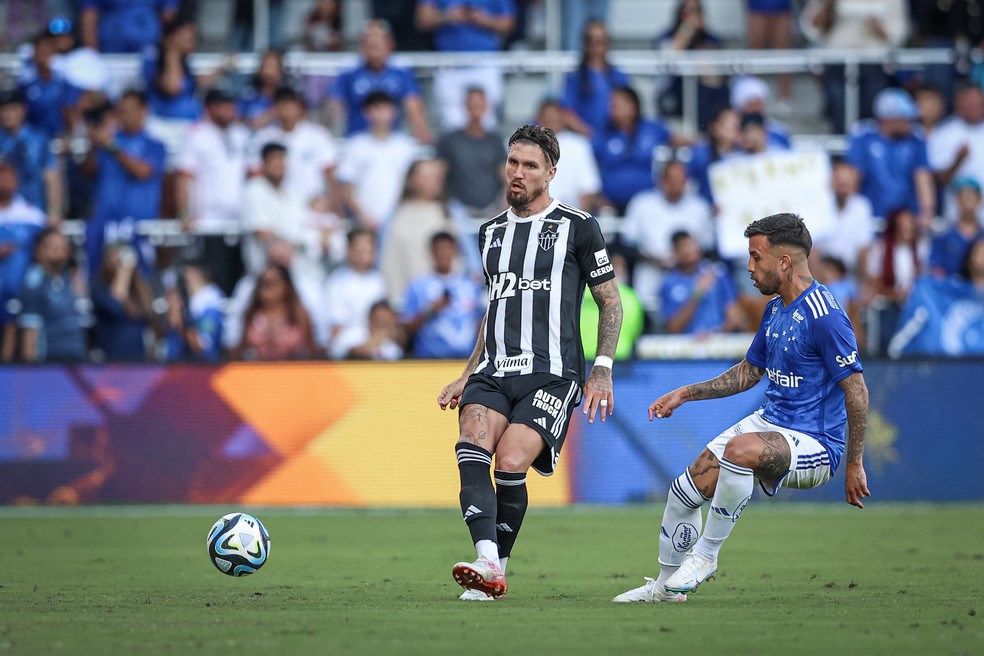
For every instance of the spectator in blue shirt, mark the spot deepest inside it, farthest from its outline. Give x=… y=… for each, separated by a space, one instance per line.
x=723 y=137
x=698 y=296
x=949 y=248
x=49 y=96
x=20 y=224
x=377 y=73
x=116 y=26
x=625 y=149
x=121 y=302
x=255 y=104
x=891 y=158
x=168 y=81
x=128 y=166
x=195 y=308
x=588 y=89
x=50 y=318
x=27 y=149
x=443 y=308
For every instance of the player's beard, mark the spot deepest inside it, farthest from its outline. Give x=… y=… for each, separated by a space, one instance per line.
x=522 y=199
x=769 y=284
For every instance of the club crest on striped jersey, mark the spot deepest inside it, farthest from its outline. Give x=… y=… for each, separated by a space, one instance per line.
x=548 y=235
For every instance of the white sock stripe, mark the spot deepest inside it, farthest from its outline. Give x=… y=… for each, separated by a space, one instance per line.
x=468 y=457
x=733 y=468
x=510 y=483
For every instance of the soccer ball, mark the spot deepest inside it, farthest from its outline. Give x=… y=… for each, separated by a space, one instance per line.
x=238 y=544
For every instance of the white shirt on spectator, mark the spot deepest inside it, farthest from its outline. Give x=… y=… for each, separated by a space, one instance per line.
x=279 y=211
x=650 y=221
x=348 y=296
x=358 y=335
x=942 y=147
x=903 y=265
x=577 y=171
x=376 y=168
x=850 y=27
x=216 y=159
x=853 y=230
x=310 y=152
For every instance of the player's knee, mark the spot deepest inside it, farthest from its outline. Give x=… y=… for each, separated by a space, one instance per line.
x=742 y=451
x=509 y=461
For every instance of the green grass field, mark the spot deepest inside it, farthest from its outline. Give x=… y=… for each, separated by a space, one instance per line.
x=793 y=579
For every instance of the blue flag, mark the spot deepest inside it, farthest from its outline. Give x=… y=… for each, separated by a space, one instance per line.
x=941 y=317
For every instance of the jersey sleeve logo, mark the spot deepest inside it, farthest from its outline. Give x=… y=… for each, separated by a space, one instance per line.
x=601 y=257
x=548 y=236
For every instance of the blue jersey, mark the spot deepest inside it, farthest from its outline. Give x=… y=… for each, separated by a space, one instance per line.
x=120 y=195
x=20 y=224
x=588 y=93
x=451 y=37
x=28 y=151
x=183 y=105
x=51 y=308
x=949 y=250
x=806 y=349
x=129 y=25
x=447 y=333
x=626 y=160
x=252 y=103
x=46 y=102
x=888 y=168
x=352 y=86
x=711 y=313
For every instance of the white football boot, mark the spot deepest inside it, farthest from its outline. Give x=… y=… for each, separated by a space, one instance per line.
x=483 y=575
x=475 y=595
x=650 y=593
x=694 y=571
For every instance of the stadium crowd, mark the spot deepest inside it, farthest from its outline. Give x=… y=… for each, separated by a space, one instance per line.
x=337 y=219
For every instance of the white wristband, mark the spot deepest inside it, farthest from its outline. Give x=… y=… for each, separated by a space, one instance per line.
x=603 y=361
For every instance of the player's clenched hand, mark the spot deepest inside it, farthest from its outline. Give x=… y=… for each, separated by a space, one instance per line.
x=598 y=394
x=451 y=394
x=664 y=406
x=856 y=484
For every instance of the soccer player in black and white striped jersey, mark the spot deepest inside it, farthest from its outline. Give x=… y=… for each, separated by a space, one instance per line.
x=526 y=374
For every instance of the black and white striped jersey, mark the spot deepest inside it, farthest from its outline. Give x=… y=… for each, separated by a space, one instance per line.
x=535 y=270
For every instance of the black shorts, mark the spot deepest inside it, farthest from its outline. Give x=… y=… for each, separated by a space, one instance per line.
x=543 y=402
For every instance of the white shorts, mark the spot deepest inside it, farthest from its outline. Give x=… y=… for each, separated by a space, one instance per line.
x=809 y=461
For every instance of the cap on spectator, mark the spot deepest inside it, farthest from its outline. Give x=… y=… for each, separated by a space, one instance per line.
x=11 y=96
x=966 y=182
x=218 y=95
x=746 y=89
x=895 y=103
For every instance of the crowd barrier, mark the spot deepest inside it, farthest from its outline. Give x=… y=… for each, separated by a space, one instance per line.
x=371 y=435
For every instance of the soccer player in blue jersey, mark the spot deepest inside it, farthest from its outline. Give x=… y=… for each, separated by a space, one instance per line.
x=806 y=347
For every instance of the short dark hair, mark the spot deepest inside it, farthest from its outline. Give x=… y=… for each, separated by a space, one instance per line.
x=679 y=236
x=271 y=147
x=376 y=98
x=443 y=235
x=285 y=93
x=783 y=230
x=355 y=233
x=137 y=95
x=538 y=136
x=835 y=263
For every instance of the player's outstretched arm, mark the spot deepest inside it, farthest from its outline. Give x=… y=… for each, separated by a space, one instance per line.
x=856 y=400
x=743 y=376
x=451 y=393
x=598 y=390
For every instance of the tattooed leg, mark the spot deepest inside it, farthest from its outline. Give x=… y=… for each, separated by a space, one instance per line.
x=765 y=453
x=480 y=430
x=704 y=472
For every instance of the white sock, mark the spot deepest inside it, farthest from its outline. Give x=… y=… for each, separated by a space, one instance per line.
x=502 y=563
x=681 y=524
x=487 y=549
x=734 y=489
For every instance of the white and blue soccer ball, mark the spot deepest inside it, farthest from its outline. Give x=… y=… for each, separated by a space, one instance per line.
x=238 y=544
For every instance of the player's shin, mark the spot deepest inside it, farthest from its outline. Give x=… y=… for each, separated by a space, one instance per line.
x=734 y=489
x=512 y=500
x=681 y=524
x=477 y=497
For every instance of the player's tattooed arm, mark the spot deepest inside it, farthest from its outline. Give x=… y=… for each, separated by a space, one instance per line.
x=856 y=400
x=476 y=355
x=610 y=316
x=743 y=376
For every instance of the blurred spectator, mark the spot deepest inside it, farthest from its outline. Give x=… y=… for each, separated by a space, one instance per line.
x=352 y=288
x=374 y=164
x=575 y=15
x=121 y=301
x=588 y=89
x=422 y=212
x=625 y=149
x=892 y=160
x=633 y=315
x=22 y=19
x=854 y=25
x=957 y=147
x=255 y=106
x=211 y=179
x=115 y=26
x=651 y=220
x=377 y=338
x=931 y=108
x=949 y=248
x=475 y=157
x=244 y=25
x=20 y=224
x=443 y=308
x=194 y=316
x=323 y=27
x=689 y=32
x=834 y=275
x=26 y=149
x=275 y=325
x=723 y=135
x=954 y=24
x=748 y=96
x=472 y=26
x=854 y=230
x=770 y=25
x=577 y=181
x=400 y=15
x=49 y=95
x=50 y=319
x=755 y=137
x=273 y=216
x=698 y=296
x=128 y=165
x=310 y=148
x=377 y=73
